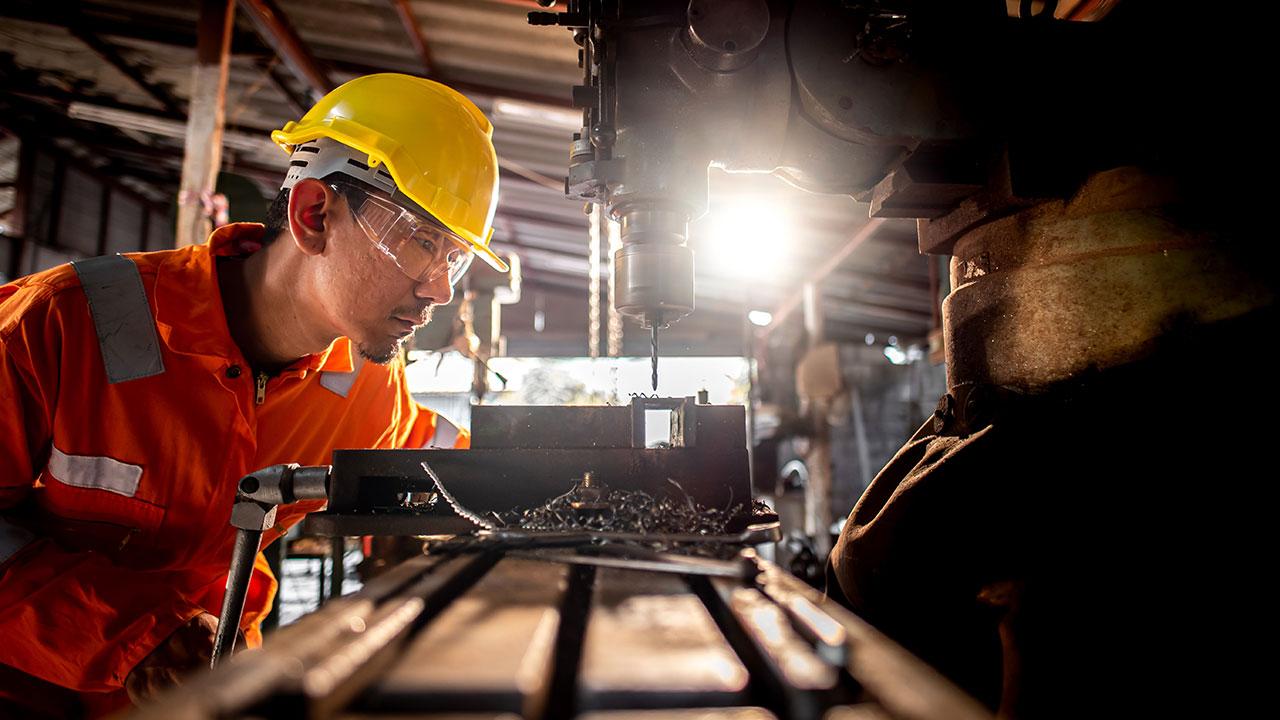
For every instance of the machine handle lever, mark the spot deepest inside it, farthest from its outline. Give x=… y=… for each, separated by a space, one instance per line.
x=258 y=495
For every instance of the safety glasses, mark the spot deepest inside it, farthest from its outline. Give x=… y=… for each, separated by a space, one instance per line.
x=422 y=250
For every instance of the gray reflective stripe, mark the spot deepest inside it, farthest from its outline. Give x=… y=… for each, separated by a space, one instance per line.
x=95 y=471
x=339 y=382
x=12 y=539
x=121 y=317
x=446 y=433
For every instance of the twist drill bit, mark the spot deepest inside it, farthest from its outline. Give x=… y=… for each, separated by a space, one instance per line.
x=653 y=354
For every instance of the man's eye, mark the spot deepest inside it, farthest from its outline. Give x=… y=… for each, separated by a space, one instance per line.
x=427 y=243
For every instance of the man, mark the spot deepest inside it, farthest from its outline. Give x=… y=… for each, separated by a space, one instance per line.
x=138 y=389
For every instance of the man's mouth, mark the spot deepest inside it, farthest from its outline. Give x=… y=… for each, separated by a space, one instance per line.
x=421 y=317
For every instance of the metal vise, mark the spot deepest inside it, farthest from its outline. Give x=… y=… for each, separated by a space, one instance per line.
x=522 y=456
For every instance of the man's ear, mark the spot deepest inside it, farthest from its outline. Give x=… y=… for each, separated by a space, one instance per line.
x=311 y=207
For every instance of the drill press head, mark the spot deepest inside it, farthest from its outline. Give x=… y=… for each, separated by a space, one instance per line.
x=654 y=267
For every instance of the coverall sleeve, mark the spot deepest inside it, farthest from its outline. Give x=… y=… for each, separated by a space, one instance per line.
x=25 y=399
x=60 y=609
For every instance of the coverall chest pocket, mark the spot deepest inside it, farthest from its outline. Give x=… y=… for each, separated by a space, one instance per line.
x=93 y=502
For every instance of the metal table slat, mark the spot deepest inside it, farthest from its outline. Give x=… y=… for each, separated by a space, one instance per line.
x=732 y=713
x=650 y=643
x=490 y=650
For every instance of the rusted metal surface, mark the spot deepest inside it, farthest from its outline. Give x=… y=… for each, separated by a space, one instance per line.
x=1046 y=293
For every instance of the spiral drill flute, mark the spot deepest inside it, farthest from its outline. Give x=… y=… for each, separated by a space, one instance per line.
x=653 y=355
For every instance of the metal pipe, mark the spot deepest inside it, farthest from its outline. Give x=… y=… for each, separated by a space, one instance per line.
x=242 y=557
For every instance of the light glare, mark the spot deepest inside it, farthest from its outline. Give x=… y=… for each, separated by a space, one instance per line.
x=747 y=240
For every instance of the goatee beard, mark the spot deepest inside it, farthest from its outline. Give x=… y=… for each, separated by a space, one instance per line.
x=384 y=354
x=381 y=355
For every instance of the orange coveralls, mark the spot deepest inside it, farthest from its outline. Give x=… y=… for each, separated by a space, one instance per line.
x=115 y=499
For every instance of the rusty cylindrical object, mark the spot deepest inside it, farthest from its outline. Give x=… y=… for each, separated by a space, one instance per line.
x=1047 y=293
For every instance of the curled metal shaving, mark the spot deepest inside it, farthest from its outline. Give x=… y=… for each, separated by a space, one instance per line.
x=453 y=502
x=626 y=511
x=610 y=511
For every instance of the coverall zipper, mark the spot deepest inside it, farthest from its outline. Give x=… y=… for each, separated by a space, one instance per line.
x=260 y=387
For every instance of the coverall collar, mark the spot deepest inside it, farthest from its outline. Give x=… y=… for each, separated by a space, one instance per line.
x=189 y=310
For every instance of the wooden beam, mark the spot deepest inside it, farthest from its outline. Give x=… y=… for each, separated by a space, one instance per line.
x=277 y=32
x=411 y=28
x=203 y=150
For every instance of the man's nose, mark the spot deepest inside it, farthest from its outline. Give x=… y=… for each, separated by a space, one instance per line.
x=438 y=291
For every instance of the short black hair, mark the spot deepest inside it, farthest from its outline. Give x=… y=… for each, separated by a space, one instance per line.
x=277 y=217
x=278 y=214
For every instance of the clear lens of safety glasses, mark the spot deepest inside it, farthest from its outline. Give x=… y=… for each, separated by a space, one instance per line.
x=422 y=251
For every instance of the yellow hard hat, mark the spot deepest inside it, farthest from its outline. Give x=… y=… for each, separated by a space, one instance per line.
x=436 y=143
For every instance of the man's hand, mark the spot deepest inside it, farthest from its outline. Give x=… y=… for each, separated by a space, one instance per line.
x=189 y=648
